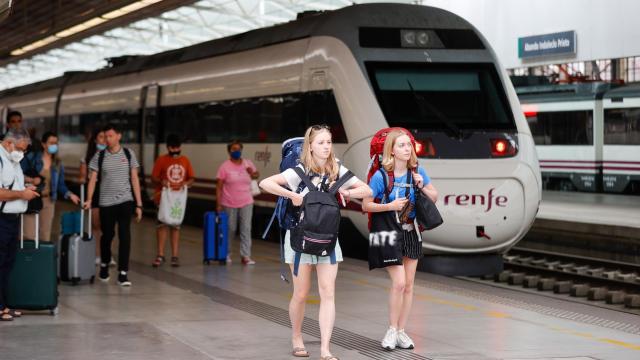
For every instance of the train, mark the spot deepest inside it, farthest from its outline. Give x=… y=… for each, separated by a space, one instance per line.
x=357 y=69
x=587 y=134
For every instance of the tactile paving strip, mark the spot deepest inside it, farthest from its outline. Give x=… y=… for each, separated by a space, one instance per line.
x=349 y=340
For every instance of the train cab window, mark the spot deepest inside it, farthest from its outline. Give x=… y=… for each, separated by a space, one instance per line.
x=436 y=97
x=622 y=126
x=562 y=127
x=266 y=119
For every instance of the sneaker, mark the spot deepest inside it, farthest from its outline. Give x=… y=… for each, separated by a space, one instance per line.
x=404 y=341
x=123 y=280
x=113 y=263
x=159 y=260
x=104 y=272
x=247 y=261
x=228 y=259
x=97 y=260
x=390 y=339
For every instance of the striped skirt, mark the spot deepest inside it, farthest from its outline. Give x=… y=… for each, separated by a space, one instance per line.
x=411 y=245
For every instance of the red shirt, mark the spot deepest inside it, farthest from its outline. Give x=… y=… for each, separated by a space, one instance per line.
x=176 y=170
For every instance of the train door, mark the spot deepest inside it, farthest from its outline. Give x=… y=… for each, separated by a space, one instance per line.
x=149 y=137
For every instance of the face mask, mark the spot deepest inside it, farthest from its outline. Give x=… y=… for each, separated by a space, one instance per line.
x=101 y=147
x=236 y=154
x=16 y=155
x=52 y=149
x=174 y=153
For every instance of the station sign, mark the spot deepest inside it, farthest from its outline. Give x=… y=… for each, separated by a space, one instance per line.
x=561 y=43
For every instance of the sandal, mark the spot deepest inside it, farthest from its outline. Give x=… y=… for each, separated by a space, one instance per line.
x=158 y=261
x=15 y=313
x=175 y=262
x=330 y=357
x=6 y=317
x=300 y=352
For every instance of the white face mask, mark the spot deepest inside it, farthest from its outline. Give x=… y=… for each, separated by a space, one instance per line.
x=16 y=155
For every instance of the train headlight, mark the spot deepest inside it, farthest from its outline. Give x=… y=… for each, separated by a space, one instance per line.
x=408 y=38
x=503 y=148
x=425 y=148
x=422 y=38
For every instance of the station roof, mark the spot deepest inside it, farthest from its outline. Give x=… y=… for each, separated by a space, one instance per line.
x=42 y=39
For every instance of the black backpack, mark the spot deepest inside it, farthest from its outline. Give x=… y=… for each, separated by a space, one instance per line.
x=317 y=230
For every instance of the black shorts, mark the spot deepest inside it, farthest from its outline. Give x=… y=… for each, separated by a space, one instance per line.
x=411 y=245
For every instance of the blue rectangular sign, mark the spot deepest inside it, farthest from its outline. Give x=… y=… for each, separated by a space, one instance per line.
x=561 y=43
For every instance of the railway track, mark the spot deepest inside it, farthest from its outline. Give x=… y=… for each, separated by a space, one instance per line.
x=616 y=283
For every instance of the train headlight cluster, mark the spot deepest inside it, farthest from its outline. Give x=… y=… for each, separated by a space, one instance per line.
x=415 y=38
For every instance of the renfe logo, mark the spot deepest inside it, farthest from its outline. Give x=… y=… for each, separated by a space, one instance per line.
x=477 y=199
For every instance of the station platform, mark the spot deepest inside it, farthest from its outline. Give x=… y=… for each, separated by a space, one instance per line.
x=605 y=226
x=240 y=312
x=590 y=208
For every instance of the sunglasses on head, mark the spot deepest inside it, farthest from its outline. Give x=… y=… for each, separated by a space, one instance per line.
x=320 y=127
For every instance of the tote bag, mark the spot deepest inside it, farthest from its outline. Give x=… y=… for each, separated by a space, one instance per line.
x=172 y=206
x=385 y=243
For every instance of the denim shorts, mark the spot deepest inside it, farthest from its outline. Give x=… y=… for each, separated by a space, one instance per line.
x=308 y=259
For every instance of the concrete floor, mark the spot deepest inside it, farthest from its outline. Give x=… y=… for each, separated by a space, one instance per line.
x=239 y=312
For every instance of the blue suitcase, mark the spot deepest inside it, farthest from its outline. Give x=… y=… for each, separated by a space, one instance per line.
x=70 y=223
x=216 y=237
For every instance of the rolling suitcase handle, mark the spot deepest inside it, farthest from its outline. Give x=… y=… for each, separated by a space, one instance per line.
x=82 y=210
x=37 y=239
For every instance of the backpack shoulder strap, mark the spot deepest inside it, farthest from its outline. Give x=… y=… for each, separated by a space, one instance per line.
x=388 y=186
x=308 y=183
x=341 y=181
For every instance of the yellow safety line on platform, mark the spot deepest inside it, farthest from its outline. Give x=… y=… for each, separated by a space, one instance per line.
x=497 y=314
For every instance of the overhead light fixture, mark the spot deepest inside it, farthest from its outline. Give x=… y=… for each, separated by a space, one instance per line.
x=84 y=26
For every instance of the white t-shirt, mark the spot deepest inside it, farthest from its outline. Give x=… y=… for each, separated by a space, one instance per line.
x=294 y=180
x=11 y=172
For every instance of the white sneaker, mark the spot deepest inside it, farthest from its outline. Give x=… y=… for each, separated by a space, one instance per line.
x=97 y=260
x=390 y=339
x=113 y=263
x=404 y=341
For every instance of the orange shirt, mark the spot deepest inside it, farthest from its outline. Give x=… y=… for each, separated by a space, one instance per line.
x=175 y=169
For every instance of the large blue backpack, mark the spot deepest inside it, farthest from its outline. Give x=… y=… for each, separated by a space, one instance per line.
x=285 y=212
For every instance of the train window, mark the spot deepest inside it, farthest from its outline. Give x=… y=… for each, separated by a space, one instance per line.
x=430 y=97
x=622 y=126
x=39 y=125
x=79 y=127
x=562 y=127
x=267 y=119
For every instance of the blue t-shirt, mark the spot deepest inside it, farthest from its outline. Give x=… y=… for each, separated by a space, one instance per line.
x=377 y=185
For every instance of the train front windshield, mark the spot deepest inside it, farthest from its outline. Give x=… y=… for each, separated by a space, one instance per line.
x=449 y=97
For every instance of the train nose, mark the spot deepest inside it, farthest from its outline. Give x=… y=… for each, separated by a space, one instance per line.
x=479 y=215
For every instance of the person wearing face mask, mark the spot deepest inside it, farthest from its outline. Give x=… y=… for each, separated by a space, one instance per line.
x=97 y=143
x=13 y=202
x=45 y=170
x=233 y=195
x=174 y=171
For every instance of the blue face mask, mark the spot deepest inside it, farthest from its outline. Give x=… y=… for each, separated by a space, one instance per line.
x=236 y=154
x=101 y=147
x=52 y=149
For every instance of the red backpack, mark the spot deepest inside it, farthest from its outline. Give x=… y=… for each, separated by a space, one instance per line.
x=376 y=148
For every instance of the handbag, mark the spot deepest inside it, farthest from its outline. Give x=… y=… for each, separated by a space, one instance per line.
x=427 y=214
x=255 y=189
